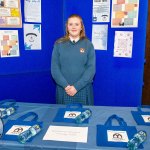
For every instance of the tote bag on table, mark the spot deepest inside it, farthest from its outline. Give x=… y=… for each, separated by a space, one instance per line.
x=141 y=117
x=13 y=128
x=109 y=135
x=69 y=113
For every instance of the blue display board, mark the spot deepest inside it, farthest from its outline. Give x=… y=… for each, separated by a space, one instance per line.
x=118 y=81
x=28 y=77
x=36 y=60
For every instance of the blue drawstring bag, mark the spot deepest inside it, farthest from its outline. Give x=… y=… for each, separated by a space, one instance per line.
x=13 y=128
x=115 y=136
x=69 y=113
x=7 y=103
x=141 y=117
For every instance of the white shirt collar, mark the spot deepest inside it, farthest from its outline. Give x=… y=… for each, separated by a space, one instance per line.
x=76 y=40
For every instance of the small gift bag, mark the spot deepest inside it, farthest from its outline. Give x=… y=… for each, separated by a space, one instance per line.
x=7 y=103
x=13 y=128
x=69 y=113
x=114 y=136
x=141 y=117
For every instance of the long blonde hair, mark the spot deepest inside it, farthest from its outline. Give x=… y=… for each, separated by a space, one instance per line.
x=82 y=32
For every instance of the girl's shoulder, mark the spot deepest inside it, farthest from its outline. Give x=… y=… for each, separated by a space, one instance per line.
x=87 y=41
x=61 y=40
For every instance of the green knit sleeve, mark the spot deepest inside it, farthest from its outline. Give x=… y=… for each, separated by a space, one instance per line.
x=89 y=73
x=55 y=68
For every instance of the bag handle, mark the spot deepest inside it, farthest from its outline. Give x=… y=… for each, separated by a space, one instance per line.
x=74 y=105
x=11 y=102
x=29 y=114
x=143 y=106
x=119 y=119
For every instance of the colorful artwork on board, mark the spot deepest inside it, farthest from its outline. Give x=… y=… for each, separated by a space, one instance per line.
x=32 y=36
x=9 y=44
x=123 y=44
x=10 y=14
x=124 y=13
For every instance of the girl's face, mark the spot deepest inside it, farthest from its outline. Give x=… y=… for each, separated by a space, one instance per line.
x=74 y=27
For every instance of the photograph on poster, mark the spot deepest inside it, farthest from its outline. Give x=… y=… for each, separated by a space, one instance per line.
x=124 y=13
x=123 y=44
x=9 y=44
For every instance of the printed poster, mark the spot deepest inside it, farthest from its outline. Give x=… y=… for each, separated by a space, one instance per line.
x=99 y=36
x=10 y=14
x=32 y=36
x=101 y=10
x=124 y=13
x=9 y=44
x=32 y=11
x=123 y=44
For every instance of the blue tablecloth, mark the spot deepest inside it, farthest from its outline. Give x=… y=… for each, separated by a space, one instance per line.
x=47 y=113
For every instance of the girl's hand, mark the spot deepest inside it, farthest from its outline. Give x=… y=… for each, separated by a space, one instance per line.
x=71 y=90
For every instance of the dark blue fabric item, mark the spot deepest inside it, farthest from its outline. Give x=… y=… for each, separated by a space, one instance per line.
x=7 y=103
x=22 y=122
x=137 y=115
x=102 y=136
x=70 y=107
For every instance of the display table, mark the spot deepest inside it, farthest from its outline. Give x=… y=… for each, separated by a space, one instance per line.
x=47 y=113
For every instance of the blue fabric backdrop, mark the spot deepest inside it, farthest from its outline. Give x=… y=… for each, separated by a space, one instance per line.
x=118 y=81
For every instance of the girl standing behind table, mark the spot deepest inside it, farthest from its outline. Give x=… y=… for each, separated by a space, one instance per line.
x=73 y=65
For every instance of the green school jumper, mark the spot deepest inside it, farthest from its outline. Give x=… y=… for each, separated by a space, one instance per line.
x=74 y=64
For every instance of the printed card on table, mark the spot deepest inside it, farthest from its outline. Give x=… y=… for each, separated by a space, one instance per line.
x=67 y=134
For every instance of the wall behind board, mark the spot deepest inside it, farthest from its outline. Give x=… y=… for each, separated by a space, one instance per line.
x=118 y=81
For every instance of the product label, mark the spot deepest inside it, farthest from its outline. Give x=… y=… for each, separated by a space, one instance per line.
x=117 y=136
x=71 y=114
